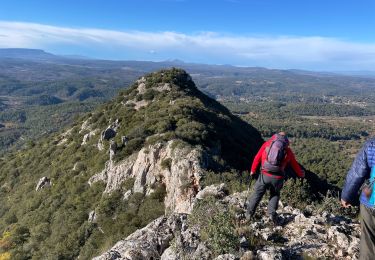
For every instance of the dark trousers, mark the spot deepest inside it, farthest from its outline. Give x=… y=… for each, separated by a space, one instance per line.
x=263 y=184
x=367 y=244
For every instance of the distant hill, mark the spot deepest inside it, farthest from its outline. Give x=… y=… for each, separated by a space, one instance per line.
x=27 y=54
x=358 y=73
x=44 y=100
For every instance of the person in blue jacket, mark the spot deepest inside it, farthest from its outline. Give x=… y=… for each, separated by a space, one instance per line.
x=363 y=170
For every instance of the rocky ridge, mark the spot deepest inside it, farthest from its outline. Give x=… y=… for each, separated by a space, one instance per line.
x=300 y=235
x=179 y=168
x=144 y=154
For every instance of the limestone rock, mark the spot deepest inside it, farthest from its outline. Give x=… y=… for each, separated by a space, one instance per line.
x=110 y=132
x=114 y=176
x=169 y=254
x=217 y=191
x=85 y=126
x=100 y=145
x=112 y=150
x=141 y=80
x=75 y=166
x=226 y=257
x=202 y=252
x=64 y=137
x=88 y=137
x=163 y=87
x=165 y=238
x=182 y=179
x=92 y=217
x=43 y=182
x=270 y=253
x=147 y=243
x=142 y=88
x=127 y=195
x=248 y=255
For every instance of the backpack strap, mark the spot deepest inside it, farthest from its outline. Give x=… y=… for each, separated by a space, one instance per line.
x=268 y=148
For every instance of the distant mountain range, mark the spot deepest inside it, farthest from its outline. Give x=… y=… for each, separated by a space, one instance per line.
x=41 y=55
x=37 y=66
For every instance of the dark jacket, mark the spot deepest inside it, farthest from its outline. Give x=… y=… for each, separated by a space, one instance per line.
x=359 y=172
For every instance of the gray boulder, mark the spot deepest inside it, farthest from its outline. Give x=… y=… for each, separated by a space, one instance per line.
x=217 y=191
x=226 y=257
x=43 y=182
x=270 y=253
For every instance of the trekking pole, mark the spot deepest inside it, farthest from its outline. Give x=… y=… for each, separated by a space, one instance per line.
x=248 y=190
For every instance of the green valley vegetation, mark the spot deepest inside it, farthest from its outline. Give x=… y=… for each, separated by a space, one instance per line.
x=324 y=140
x=39 y=96
x=68 y=218
x=27 y=125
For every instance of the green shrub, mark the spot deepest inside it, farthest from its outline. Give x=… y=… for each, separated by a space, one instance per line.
x=166 y=164
x=296 y=193
x=216 y=224
x=128 y=184
x=150 y=94
x=221 y=235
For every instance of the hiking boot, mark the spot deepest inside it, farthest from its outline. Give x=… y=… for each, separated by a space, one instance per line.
x=276 y=220
x=249 y=216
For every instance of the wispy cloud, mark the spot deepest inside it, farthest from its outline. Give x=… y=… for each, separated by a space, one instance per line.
x=273 y=51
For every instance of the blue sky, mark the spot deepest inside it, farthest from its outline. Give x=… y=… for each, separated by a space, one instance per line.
x=310 y=34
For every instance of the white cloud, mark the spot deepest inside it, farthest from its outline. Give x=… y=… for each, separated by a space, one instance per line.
x=277 y=51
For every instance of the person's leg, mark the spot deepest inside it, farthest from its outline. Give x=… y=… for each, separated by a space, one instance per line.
x=367 y=244
x=275 y=187
x=256 y=196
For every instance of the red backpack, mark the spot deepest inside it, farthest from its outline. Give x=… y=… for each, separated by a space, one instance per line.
x=276 y=153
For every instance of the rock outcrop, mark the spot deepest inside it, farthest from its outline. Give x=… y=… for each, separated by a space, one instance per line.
x=217 y=191
x=92 y=217
x=321 y=235
x=146 y=243
x=87 y=137
x=108 y=133
x=43 y=182
x=161 y=239
x=178 y=169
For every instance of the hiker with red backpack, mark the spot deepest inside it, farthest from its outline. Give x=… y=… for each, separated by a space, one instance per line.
x=274 y=155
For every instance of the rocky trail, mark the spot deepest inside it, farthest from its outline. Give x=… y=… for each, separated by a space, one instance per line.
x=301 y=235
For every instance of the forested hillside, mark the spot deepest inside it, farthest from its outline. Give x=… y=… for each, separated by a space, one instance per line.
x=52 y=205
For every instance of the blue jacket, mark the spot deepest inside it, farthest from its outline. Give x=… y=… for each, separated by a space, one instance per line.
x=359 y=172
